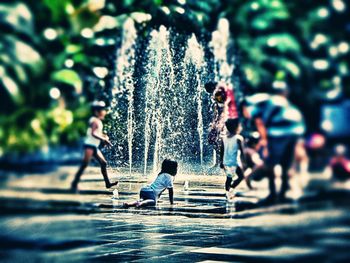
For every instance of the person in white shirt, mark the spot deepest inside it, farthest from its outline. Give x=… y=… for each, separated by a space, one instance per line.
x=149 y=194
x=232 y=155
x=94 y=137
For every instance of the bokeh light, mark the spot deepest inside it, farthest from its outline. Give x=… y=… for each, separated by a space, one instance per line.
x=50 y=33
x=55 y=93
x=321 y=64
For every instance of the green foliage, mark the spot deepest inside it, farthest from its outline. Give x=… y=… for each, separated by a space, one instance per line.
x=32 y=61
x=56 y=43
x=69 y=77
x=58 y=8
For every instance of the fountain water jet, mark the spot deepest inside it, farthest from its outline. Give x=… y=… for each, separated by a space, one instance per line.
x=165 y=115
x=159 y=80
x=194 y=56
x=219 y=44
x=124 y=82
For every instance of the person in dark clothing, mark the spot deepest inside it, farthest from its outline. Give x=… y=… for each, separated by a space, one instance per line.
x=280 y=124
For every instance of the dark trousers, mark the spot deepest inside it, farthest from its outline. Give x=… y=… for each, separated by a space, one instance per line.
x=281 y=152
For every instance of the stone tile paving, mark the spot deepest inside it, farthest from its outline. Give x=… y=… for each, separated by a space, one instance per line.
x=42 y=222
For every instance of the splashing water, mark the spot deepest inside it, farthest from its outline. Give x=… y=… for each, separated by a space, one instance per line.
x=224 y=63
x=219 y=44
x=159 y=85
x=195 y=56
x=124 y=82
x=164 y=117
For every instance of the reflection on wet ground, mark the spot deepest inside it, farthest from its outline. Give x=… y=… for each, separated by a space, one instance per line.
x=42 y=221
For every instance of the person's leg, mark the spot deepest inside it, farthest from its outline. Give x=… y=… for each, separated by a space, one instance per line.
x=240 y=175
x=147 y=202
x=88 y=153
x=126 y=205
x=248 y=182
x=147 y=197
x=274 y=155
x=272 y=185
x=103 y=163
x=286 y=162
x=271 y=198
x=270 y=173
x=228 y=183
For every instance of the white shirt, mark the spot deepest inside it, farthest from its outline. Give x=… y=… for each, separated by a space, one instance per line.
x=232 y=152
x=162 y=182
x=90 y=139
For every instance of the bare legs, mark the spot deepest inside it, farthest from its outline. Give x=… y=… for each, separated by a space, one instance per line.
x=229 y=184
x=88 y=154
x=140 y=203
x=240 y=175
x=103 y=163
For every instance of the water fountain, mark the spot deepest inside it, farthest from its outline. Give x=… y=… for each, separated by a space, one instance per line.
x=223 y=69
x=219 y=44
x=194 y=57
x=158 y=81
x=171 y=119
x=123 y=81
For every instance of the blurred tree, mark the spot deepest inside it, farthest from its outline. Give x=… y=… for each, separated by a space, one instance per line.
x=294 y=42
x=43 y=63
x=57 y=55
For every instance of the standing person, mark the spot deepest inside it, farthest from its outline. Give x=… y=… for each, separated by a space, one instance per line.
x=232 y=155
x=149 y=194
x=216 y=123
x=280 y=124
x=224 y=108
x=223 y=96
x=94 y=137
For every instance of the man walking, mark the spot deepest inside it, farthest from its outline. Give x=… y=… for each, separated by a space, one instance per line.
x=280 y=124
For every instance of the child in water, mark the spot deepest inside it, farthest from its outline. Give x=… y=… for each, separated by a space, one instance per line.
x=94 y=137
x=224 y=107
x=149 y=194
x=231 y=159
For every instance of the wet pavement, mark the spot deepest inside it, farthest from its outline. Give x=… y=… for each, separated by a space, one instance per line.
x=41 y=221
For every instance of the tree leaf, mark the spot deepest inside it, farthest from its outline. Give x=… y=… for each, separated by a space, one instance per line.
x=70 y=77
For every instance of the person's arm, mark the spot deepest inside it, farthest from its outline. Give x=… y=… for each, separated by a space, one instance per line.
x=171 y=195
x=263 y=133
x=95 y=134
x=241 y=148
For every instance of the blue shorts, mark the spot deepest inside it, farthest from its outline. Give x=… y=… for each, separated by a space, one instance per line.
x=147 y=193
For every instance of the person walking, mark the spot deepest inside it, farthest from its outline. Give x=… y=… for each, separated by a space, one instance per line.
x=94 y=137
x=280 y=125
x=232 y=155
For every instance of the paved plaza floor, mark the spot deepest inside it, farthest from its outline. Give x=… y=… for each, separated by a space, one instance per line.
x=41 y=221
